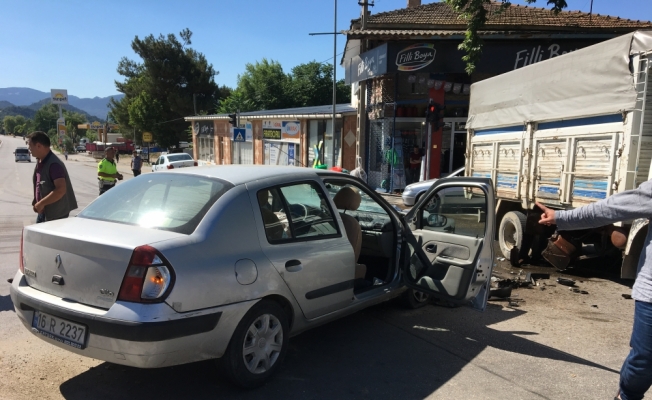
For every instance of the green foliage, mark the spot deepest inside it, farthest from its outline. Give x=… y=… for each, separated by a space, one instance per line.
x=264 y=86
x=9 y=123
x=91 y=135
x=159 y=89
x=311 y=84
x=475 y=13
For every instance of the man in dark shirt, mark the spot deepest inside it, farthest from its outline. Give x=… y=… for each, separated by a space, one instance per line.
x=415 y=165
x=53 y=194
x=136 y=163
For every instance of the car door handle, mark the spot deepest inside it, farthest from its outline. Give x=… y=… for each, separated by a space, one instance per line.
x=431 y=248
x=293 y=266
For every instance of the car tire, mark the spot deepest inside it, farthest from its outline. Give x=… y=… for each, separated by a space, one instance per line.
x=510 y=233
x=414 y=299
x=248 y=369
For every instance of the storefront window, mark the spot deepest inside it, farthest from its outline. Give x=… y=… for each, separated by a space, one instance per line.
x=321 y=131
x=206 y=148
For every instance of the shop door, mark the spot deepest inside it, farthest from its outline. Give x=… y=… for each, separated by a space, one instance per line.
x=454 y=145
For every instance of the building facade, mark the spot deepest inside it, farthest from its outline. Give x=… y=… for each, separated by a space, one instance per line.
x=399 y=62
x=298 y=136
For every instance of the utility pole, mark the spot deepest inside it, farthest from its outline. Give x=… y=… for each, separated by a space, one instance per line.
x=335 y=74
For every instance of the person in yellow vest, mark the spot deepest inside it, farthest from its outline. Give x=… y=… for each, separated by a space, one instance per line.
x=107 y=171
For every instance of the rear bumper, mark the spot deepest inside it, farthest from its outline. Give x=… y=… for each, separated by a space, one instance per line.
x=138 y=335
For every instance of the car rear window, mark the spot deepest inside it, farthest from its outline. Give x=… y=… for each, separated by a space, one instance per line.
x=179 y=157
x=173 y=202
x=22 y=151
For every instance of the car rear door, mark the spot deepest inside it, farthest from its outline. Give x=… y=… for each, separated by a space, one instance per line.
x=300 y=234
x=449 y=235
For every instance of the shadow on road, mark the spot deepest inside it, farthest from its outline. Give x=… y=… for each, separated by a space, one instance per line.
x=6 y=304
x=384 y=352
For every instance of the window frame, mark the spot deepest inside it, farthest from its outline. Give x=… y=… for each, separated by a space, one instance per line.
x=286 y=208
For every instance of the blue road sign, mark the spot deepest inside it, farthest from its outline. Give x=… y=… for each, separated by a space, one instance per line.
x=239 y=134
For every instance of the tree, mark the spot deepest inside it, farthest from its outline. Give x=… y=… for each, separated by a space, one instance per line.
x=159 y=89
x=264 y=84
x=9 y=123
x=234 y=102
x=311 y=84
x=475 y=12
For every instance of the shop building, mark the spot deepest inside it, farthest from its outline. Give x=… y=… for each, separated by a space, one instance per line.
x=397 y=62
x=302 y=136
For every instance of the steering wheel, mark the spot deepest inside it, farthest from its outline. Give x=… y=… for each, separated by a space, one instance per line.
x=301 y=210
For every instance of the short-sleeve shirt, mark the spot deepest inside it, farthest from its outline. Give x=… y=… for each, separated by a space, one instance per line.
x=415 y=157
x=108 y=167
x=56 y=172
x=136 y=162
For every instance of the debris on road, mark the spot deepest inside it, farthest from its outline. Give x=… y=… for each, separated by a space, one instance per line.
x=565 y=281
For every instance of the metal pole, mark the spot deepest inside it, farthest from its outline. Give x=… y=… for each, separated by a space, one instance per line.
x=334 y=73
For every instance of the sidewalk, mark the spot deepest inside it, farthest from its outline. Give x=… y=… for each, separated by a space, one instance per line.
x=123 y=165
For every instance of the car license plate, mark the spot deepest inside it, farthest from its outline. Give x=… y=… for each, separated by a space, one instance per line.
x=59 y=329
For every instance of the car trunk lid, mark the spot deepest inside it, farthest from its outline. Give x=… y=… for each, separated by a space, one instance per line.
x=83 y=260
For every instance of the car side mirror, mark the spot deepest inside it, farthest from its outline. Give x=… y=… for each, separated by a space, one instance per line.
x=437 y=220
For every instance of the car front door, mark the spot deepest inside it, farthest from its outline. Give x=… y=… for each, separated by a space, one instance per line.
x=449 y=252
x=300 y=234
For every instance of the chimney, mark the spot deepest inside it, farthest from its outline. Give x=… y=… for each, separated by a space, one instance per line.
x=413 y=3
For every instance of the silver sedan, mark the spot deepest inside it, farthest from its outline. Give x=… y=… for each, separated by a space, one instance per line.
x=414 y=191
x=228 y=262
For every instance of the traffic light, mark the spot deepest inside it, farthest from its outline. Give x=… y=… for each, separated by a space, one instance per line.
x=434 y=115
x=233 y=120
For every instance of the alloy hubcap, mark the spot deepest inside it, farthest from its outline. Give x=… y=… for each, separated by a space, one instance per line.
x=420 y=296
x=262 y=344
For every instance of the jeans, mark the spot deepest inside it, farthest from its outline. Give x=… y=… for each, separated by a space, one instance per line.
x=636 y=373
x=40 y=218
x=136 y=172
x=104 y=188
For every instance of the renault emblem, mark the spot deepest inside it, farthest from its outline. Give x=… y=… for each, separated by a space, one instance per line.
x=57 y=261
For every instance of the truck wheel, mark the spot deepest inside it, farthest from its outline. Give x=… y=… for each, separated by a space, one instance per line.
x=510 y=233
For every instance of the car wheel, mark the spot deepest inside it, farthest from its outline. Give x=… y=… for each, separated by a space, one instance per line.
x=510 y=233
x=414 y=299
x=257 y=346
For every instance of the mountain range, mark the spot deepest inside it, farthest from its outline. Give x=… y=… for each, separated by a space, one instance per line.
x=16 y=96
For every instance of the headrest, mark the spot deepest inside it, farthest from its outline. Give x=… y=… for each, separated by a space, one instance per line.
x=263 y=197
x=347 y=199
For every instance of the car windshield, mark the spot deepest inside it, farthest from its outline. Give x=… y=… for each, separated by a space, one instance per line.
x=179 y=157
x=22 y=151
x=173 y=202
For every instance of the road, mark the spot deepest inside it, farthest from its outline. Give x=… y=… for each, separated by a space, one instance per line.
x=556 y=344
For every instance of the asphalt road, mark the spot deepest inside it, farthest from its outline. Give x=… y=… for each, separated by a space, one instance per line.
x=556 y=344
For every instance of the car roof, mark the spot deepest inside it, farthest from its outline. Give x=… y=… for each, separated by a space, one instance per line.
x=240 y=174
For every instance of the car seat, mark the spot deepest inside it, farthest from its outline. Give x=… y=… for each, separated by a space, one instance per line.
x=347 y=199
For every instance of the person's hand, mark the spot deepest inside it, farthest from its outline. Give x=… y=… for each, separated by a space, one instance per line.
x=548 y=216
x=38 y=208
x=120 y=177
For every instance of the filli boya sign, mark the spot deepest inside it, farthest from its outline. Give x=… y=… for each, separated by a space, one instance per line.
x=415 y=57
x=204 y=128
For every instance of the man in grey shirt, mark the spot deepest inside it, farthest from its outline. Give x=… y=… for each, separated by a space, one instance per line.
x=636 y=373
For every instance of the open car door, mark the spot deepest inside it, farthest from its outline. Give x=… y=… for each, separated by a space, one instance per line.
x=449 y=252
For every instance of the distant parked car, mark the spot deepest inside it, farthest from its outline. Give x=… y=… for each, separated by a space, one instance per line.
x=172 y=161
x=413 y=192
x=22 y=154
x=80 y=149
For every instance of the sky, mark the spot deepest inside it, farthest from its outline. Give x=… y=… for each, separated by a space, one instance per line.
x=77 y=44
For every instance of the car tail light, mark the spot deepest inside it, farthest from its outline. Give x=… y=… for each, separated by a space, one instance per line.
x=195 y=163
x=149 y=277
x=21 y=263
x=170 y=166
